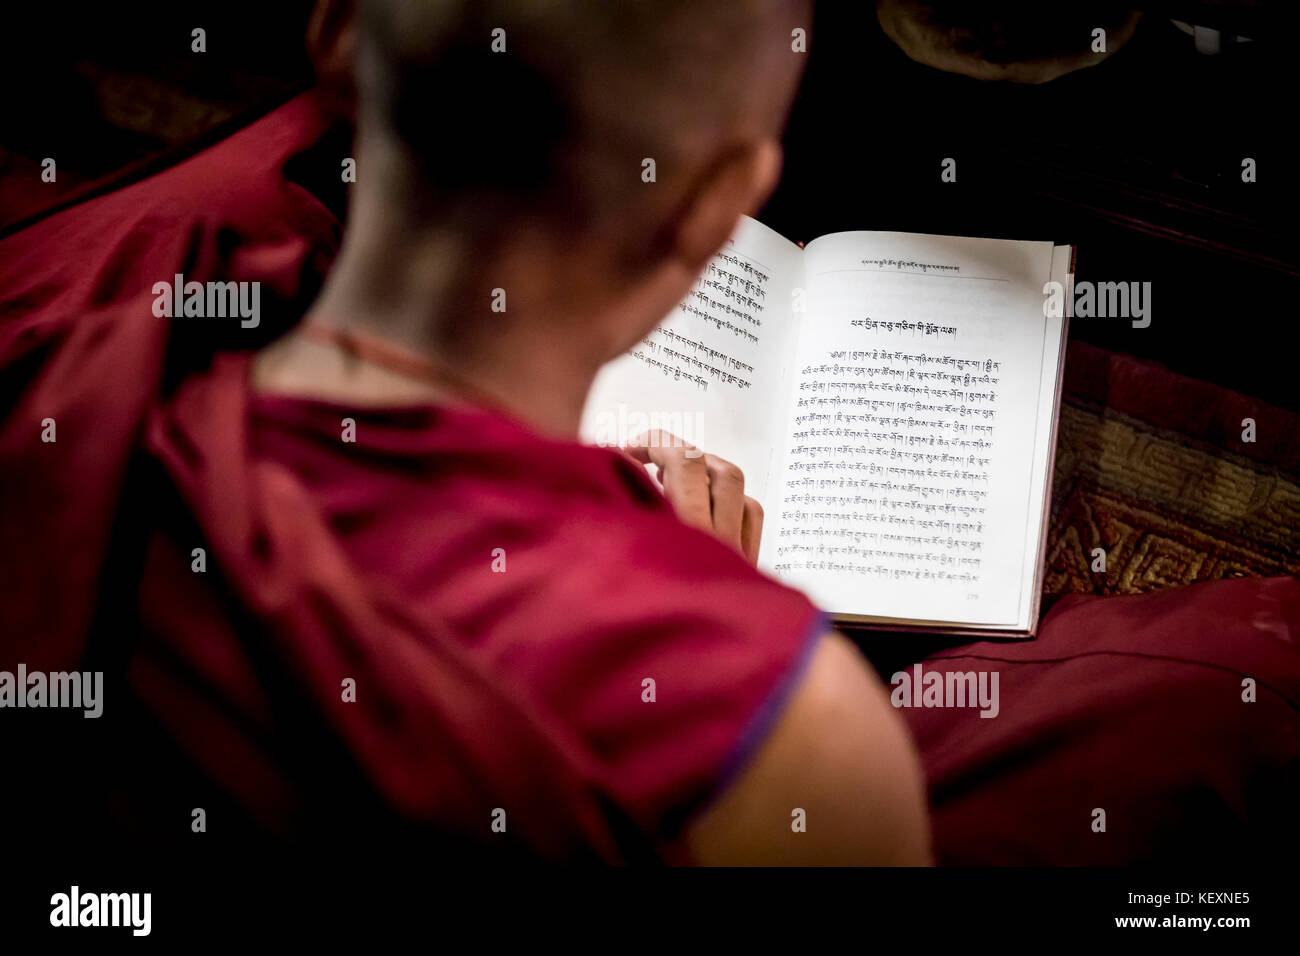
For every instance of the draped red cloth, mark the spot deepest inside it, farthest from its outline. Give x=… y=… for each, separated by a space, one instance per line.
x=79 y=344
x=369 y=563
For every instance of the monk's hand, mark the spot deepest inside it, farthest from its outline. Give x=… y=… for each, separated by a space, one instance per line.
x=706 y=491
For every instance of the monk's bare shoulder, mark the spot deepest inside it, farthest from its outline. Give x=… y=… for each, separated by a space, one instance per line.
x=837 y=781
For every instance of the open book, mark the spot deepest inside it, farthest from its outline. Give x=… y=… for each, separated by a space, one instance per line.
x=891 y=399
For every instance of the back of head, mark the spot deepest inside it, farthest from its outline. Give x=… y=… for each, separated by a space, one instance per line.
x=483 y=113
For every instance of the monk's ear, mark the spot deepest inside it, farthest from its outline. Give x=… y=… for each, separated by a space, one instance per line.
x=737 y=184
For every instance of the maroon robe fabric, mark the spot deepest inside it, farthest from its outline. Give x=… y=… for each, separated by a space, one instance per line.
x=475 y=691
x=79 y=344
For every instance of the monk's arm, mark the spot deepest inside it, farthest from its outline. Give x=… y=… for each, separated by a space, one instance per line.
x=841 y=753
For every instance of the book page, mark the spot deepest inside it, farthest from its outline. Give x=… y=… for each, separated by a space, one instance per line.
x=711 y=373
x=1040 y=480
x=916 y=427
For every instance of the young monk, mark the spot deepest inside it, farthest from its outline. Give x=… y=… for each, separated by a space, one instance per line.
x=368 y=578
x=520 y=170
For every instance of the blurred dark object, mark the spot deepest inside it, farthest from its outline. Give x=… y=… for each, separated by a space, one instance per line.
x=1020 y=41
x=1027 y=41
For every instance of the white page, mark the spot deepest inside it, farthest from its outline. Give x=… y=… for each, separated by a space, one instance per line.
x=1054 y=342
x=712 y=371
x=891 y=509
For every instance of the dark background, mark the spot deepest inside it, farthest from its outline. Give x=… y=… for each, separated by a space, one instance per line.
x=1137 y=161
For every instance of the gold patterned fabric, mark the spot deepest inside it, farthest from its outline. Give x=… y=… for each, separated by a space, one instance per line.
x=1167 y=508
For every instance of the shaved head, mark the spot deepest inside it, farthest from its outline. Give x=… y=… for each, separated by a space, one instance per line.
x=491 y=111
x=505 y=151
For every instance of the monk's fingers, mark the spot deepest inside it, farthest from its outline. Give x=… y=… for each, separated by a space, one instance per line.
x=686 y=486
x=658 y=447
x=637 y=457
x=727 y=499
x=751 y=529
x=706 y=491
x=682 y=472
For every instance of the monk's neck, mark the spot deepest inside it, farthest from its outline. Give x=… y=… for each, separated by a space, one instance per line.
x=519 y=368
x=547 y=395
x=504 y=327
